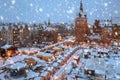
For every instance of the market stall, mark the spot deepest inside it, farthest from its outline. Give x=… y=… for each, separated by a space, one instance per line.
x=8 y=50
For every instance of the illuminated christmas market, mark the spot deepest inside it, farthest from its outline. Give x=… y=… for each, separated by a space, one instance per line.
x=59 y=40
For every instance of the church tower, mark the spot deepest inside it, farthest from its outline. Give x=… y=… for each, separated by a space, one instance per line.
x=81 y=26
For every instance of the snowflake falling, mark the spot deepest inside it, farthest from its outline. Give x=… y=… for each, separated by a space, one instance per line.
x=5 y=4
x=91 y=13
x=110 y=2
x=1 y=17
x=48 y=15
x=13 y=2
x=31 y=5
x=70 y=10
x=105 y=4
x=11 y=7
x=116 y=12
x=17 y=17
x=40 y=9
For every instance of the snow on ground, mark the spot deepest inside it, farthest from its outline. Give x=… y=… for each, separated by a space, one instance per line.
x=17 y=58
x=11 y=60
x=100 y=65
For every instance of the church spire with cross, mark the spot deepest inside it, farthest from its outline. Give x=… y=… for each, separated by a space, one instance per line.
x=81 y=13
x=49 y=23
x=81 y=6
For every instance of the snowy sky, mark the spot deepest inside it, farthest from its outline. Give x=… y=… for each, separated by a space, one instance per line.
x=57 y=10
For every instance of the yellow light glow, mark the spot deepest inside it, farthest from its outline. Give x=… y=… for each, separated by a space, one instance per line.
x=59 y=38
x=56 y=78
x=9 y=52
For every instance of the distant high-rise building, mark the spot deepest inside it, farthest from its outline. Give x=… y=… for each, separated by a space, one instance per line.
x=26 y=35
x=16 y=36
x=21 y=35
x=10 y=35
x=81 y=26
x=3 y=35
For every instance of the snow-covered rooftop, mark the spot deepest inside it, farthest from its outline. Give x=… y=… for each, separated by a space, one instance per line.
x=55 y=64
x=94 y=37
x=44 y=54
x=17 y=65
x=50 y=29
x=6 y=46
x=44 y=74
x=102 y=72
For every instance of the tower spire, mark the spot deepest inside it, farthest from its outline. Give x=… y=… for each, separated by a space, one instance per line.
x=81 y=13
x=81 y=6
x=49 y=23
